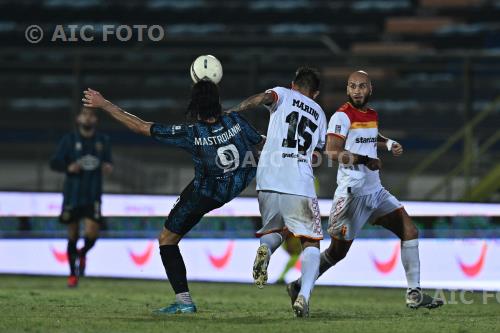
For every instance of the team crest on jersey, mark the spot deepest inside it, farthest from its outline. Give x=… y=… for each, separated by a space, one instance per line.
x=176 y=128
x=78 y=145
x=338 y=129
x=89 y=162
x=343 y=230
x=99 y=147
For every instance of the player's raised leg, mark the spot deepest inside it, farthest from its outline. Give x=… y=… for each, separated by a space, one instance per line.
x=271 y=235
x=400 y=223
x=268 y=244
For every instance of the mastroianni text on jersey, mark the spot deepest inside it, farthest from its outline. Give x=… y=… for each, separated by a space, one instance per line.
x=219 y=139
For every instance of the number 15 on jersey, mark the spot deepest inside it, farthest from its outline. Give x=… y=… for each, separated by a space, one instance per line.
x=299 y=126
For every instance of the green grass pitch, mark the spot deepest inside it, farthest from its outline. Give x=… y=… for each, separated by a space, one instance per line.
x=44 y=304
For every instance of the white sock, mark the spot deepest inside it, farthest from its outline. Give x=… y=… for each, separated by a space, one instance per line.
x=411 y=262
x=272 y=241
x=310 y=270
x=324 y=264
x=184 y=298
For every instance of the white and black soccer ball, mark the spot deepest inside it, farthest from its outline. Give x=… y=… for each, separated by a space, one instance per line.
x=206 y=67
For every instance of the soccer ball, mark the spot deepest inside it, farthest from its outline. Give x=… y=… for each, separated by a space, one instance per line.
x=206 y=67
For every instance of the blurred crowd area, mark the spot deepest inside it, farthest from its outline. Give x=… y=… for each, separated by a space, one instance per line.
x=434 y=64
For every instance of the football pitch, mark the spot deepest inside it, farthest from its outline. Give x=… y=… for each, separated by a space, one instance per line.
x=44 y=304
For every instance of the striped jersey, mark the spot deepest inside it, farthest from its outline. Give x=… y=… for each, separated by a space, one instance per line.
x=222 y=152
x=83 y=188
x=359 y=128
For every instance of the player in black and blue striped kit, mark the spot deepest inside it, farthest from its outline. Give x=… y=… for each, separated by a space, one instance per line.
x=222 y=148
x=83 y=155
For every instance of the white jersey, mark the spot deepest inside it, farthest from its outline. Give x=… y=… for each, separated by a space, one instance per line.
x=360 y=130
x=296 y=127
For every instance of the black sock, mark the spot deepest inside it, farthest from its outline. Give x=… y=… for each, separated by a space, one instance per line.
x=89 y=243
x=174 y=267
x=72 y=254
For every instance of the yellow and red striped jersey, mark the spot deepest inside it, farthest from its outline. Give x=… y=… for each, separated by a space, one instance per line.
x=359 y=129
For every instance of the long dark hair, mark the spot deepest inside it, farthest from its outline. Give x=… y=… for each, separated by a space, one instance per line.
x=205 y=101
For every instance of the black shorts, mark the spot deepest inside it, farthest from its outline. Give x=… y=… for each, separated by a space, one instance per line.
x=189 y=209
x=75 y=214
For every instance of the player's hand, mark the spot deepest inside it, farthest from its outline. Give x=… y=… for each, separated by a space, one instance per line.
x=93 y=99
x=374 y=164
x=107 y=168
x=397 y=149
x=74 y=167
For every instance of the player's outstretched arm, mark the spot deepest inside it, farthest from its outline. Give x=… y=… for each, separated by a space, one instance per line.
x=385 y=143
x=94 y=99
x=254 y=101
x=335 y=151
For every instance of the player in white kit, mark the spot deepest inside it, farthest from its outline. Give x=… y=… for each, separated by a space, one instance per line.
x=285 y=180
x=353 y=139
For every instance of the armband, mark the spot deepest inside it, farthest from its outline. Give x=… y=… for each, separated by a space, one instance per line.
x=389 y=144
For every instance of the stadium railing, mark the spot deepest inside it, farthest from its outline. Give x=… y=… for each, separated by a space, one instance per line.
x=469 y=157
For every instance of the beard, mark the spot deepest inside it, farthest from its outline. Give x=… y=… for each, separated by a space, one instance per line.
x=87 y=128
x=361 y=104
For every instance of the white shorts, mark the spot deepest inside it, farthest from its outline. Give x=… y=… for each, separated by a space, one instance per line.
x=349 y=214
x=299 y=214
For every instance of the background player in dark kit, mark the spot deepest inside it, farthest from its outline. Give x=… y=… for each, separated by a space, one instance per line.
x=83 y=155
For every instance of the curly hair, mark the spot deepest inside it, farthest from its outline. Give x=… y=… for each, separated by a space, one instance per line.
x=205 y=101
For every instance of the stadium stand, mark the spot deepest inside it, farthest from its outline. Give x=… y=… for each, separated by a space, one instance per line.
x=427 y=85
